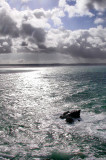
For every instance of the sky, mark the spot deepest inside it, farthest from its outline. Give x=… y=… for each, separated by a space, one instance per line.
x=52 y=31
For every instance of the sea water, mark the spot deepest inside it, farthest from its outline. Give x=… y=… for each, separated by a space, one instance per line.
x=31 y=102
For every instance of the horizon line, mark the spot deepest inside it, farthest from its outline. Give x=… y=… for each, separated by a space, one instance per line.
x=54 y=64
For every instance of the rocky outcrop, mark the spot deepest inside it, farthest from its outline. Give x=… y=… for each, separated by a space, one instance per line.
x=71 y=116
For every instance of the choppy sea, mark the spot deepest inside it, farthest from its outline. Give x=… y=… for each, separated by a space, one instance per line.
x=31 y=102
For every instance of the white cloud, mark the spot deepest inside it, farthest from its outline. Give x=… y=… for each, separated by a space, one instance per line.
x=56 y=15
x=99 y=20
x=83 y=7
x=62 y=3
x=4 y=5
x=79 y=9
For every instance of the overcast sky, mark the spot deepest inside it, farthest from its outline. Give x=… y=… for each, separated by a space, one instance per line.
x=52 y=31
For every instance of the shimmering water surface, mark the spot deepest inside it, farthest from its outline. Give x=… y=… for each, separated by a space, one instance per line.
x=31 y=101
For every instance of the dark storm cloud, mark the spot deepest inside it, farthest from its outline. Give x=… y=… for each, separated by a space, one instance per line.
x=78 y=51
x=39 y=35
x=36 y=34
x=7 y=25
x=27 y=29
x=97 y=4
x=5 y=49
x=83 y=52
x=24 y=44
x=86 y=45
x=80 y=44
x=19 y=30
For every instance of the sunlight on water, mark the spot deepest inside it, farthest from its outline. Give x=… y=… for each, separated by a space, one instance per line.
x=31 y=102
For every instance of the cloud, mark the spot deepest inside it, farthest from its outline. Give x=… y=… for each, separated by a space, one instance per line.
x=36 y=34
x=99 y=5
x=99 y=20
x=79 y=9
x=24 y=43
x=30 y=31
x=62 y=3
x=54 y=15
x=41 y=13
x=83 y=7
x=7 y=24
x=5 y=45
x=79 y=44
x=4 y=5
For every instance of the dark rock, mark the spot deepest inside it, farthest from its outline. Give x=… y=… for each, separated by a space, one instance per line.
x=69 y=120
x=71 y=116
x=64 y=115
x=75 y=114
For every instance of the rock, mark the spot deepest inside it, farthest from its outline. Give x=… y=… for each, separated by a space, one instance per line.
x=71 y=116
x=64 y=115
x=75 y=114
x=69 y=120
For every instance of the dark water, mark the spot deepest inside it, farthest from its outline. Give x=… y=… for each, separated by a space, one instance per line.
x=31 y=101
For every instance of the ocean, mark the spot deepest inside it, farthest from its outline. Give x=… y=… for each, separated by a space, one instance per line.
x=31 y=102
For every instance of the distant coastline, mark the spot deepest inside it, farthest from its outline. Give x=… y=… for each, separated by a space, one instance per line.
x=51 y=65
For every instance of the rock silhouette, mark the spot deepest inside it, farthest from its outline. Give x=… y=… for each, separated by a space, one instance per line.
x=71 y=116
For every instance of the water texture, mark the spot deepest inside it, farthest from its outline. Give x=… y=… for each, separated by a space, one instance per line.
x=31 y=101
